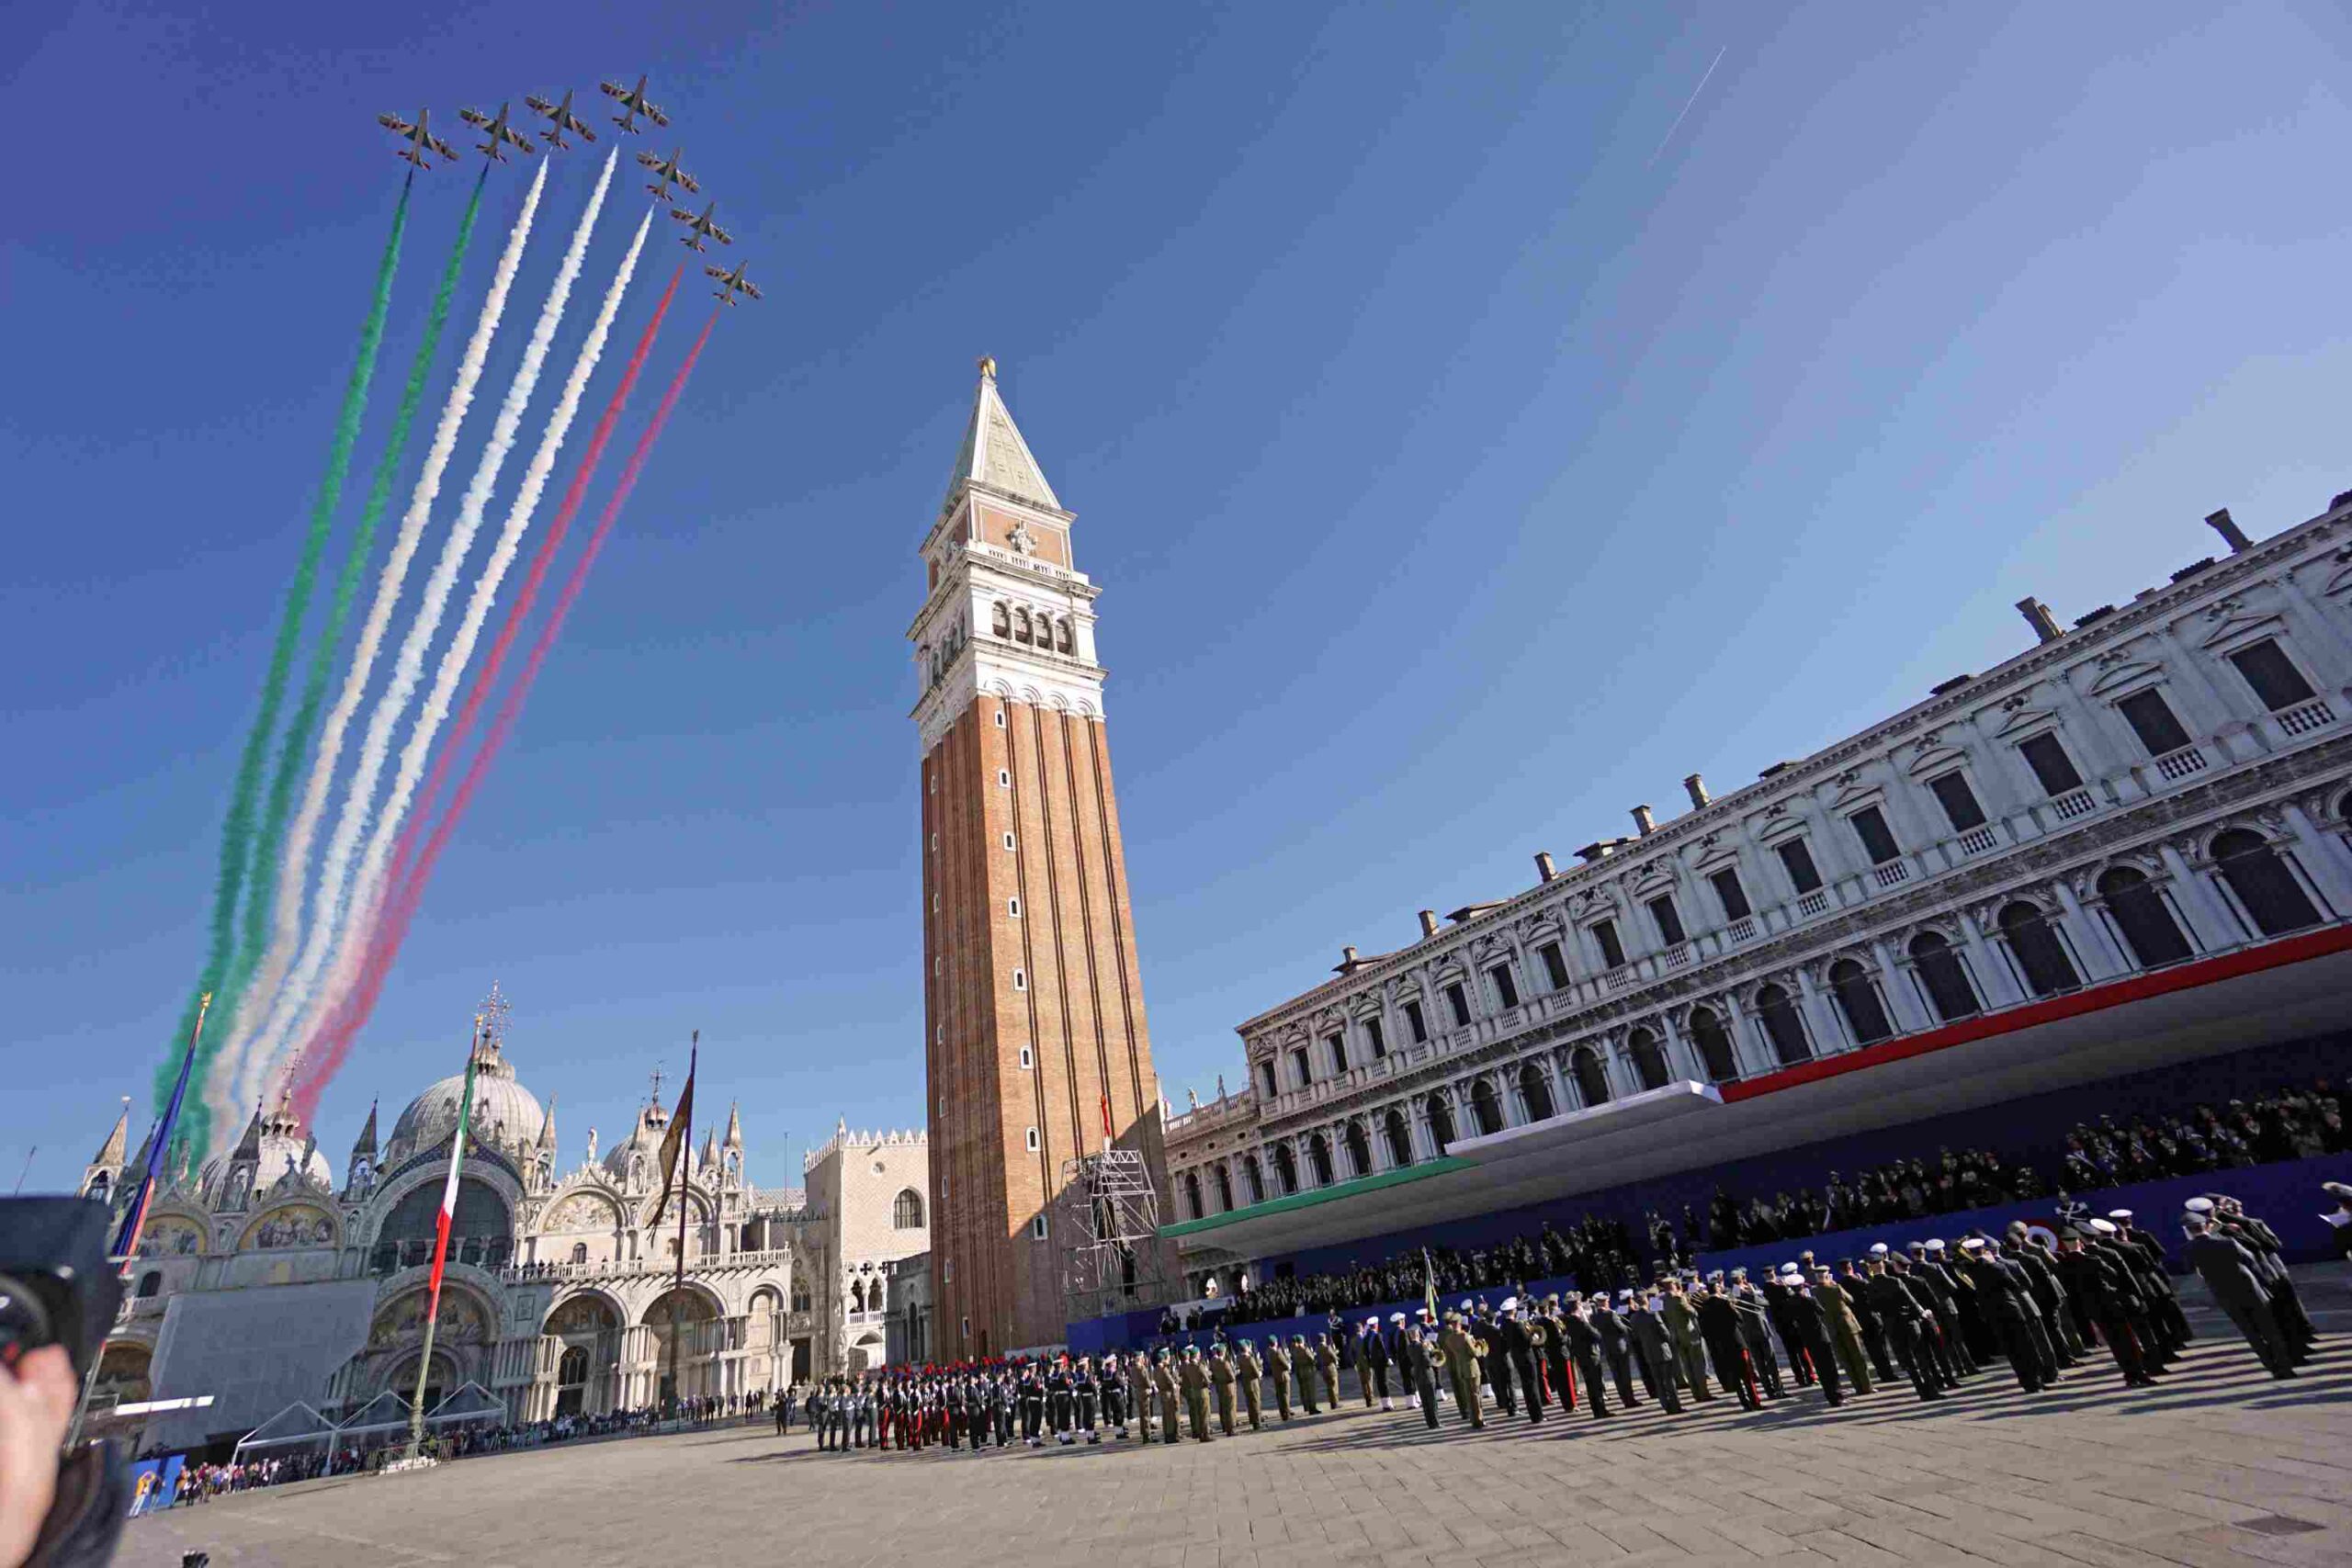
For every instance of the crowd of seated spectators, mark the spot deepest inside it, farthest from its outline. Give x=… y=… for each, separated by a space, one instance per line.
x=1600 y=1254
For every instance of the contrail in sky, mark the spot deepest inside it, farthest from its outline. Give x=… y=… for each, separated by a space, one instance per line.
x=220 y=1090
x=1693 y=99
x=408 y=668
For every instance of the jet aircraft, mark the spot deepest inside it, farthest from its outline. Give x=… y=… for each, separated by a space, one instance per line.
x=633 y=102
x=563 y=119
x=500 y=134
x=701 y=228
x=669 y=172
x=420 y=140
x=733 y=283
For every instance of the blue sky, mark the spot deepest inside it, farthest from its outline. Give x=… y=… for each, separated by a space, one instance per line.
x=1460 y=468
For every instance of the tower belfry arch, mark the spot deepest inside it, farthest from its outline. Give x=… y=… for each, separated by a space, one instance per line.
x=1037 y=1054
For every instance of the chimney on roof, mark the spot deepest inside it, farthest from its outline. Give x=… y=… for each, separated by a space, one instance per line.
x=1543 y=867
x=2232 y=535
x=1698 y=788
x=1348 y=954
x=1643 y=822
x=1429 y=923
x=2037 y=615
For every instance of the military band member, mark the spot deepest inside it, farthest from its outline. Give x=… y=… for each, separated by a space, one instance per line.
x=1032 y=1406
x=1250 y=1381
x=1557 y=1369
x=1690 y=1350
x=1653 y=1347
x=1585 y=1350
x=1514 y=1348
x=1722 y=1326
x=1461 y=1352
x=1616 y=1346
x=1844 y=1323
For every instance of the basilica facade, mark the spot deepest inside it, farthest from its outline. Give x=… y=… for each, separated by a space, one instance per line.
x=262 y=1280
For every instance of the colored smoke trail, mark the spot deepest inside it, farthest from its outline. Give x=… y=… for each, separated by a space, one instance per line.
x=221 y=1095
x=368 y=890
x=237 y=829
x=327 y=1049
x=329 y=911
x=543 y=555
x=268 y=873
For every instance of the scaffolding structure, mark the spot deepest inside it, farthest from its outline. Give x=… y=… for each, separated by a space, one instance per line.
x=1110 y=1233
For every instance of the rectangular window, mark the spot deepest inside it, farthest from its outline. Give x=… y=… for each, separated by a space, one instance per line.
x=1037 y=1227
x=2051 y=764
x=1417 y=1021
x=1012 y=907
x=1733 y=897
x=2277 y=682
x=1000 y=718
x=1878 y=842
x=1555 y=965
x=1796 y=858
x=1959 y=801
x=1668 y=919
x=1265 y=1076
x=1302 y=1066
x=1008 y=840
x=1505 y=989
x=1020 y=981
x=2151 y=718
x=1003 y=778
x=1032 y=1140
x=1613 y=952
x=1028 y=1060
x=1459 y=1000
x=1377 y=1035
x=1339 y=1045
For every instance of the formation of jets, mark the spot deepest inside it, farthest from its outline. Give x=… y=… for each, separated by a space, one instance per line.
x=417 y=140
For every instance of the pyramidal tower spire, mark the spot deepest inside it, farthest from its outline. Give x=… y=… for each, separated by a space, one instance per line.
x=1033 y=1015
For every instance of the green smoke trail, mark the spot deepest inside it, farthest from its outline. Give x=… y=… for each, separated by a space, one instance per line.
x=237 y=829
x=261 y=884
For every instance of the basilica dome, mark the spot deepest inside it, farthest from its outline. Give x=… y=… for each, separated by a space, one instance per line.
x=507 y=1116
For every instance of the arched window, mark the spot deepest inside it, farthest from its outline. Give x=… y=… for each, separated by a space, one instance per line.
x=1285 y=1169
x=857 y=1296
x=1592 y=1080
x=1713 y=1041
x=1192 y=1195
x=1061 y=636
x=1318 y=1159
x=1253 y=1180
x=572 y=1370
x=1857 y=999
x=906 y=1210
x=2265 y=885
x=1440 y=1121
x=1485 y=1108
x=1020 y=625
x=580 y=1252
x=1942 y=977
x=1400 y=1140
x=1649 y=1060
x=1224 y=1190
x=1535 y=1093
x=1782 y=1026
x=101 y=1188
x=1359 y=1150
x=2138 y=911
x=150 y=1283
x=2040 y=954
x=1001 y=619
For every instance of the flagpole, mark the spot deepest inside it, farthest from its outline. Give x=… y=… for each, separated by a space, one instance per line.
x=678 y=1287
x=126 y=1241
x=441 y=1245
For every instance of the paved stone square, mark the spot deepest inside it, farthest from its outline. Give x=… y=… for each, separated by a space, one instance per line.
x=2221 y=1466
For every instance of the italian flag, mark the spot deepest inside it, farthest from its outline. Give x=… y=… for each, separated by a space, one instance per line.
x=449 y=1191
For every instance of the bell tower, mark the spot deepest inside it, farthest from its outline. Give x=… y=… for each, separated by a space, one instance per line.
x=1036 y=1047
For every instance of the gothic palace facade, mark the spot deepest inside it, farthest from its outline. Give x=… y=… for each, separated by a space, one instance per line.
x=2127 y=844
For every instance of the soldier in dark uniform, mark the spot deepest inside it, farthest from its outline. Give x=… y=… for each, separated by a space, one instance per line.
x=2155 y=1281
x=1089 y=1399
x=1616 y=1346
x=1372 y=1363
x=1513 y=1349
x=1417 y=1354
x=1584 y=1344
x=1033 y=1403
x=1810 y=1332
x=2003 y=1301
x=1682 y=1320
x=1902 y=1319
x=1851 y=1282
x=2228 y=1217
x=1951 y=1345
x=2103 y=1291
x=1114 y=1380
x=1755 y=1333
x=2230 y=1271
x=1720 y=1324
x=1554 y=1352
x=1653 y=1348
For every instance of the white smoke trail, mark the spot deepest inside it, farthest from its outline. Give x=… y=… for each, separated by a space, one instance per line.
x=293 y=865
x=408 y=669
x=367 y=887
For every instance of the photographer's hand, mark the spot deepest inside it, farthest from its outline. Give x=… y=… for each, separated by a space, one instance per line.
x=36 y=1406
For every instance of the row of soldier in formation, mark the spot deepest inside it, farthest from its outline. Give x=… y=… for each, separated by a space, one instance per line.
x=2037 y=1299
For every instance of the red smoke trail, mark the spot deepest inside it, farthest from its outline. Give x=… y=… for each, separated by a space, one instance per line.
x=325 y=1054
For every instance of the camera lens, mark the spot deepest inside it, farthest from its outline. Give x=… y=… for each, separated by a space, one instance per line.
x=24 y=1322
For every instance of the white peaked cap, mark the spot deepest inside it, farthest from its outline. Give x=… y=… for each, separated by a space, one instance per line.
x=1972 y=1244
x=1398 y=1316
x=2119 y=1213
x=1935 y=1244
x=1510 y=1303
x=2104 y=1227
x=1878 y=1249
x=2199 y=1205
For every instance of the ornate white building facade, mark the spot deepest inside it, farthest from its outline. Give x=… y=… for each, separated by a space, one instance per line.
x=2129 y=844
x=260 y=1281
